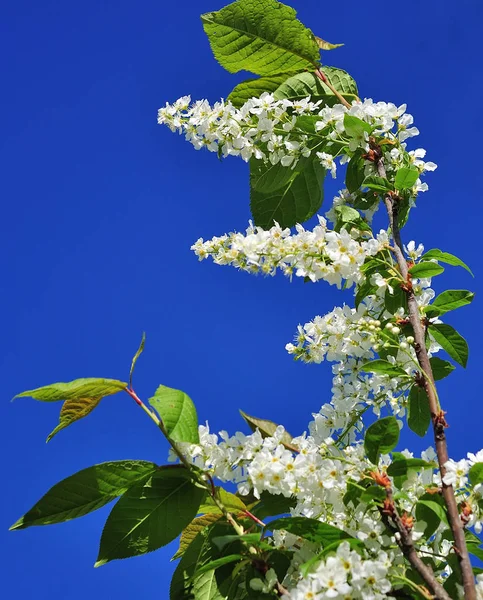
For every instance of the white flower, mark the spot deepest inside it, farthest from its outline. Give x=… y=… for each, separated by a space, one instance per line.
x=456 y=473
x=327 y=161
x=475 y=458
x=413 y=252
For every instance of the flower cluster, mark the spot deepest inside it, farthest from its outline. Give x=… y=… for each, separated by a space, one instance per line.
x=343 y=332
x=262 y=128
x=457 y=476
x=316 y=474
x=320 y=254
x=346 y=575
x=270 y=130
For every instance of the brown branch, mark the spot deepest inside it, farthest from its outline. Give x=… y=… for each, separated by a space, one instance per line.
x=457 y=527
x=392 y=519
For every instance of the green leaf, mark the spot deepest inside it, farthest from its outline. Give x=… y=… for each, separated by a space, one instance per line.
x=451 y=341
x=267 y=429
x=86 y=491
x=449 y=300
x=296 y=202
x=402 y=465
x=261 y=36
x=81 y=397
x=426 y=269
x=454 y=582
x=231 y=502
x=248 y=538
x=206 y=586
x=419 y=415
x=88 y=387
x=434 y=505
x=471 y=538
x=280 y=561
x=150 y=515
x=348 y=217
x=347 y=214
x=475 y=551
x=476 y=474
x=356 y=127
x=441 y=368
x=373 y=492
x=307 y=124
x=308 y=85
x=135 y=358
x=379 y=184
x=445 y=257
x=73 y=410
x=355 y=172
x=383 y=367
x=354 y=492
x=266 y=178
x=366 y=200
x=372 y=265
x=381 y=437
x=364 y=289
x=406 y=178
x=397 y=300
x=192 y=530
x=219 y=562
x=310 y=529
x=178 y=414
x=271 y=505
x=254 y=88
x=430 y=509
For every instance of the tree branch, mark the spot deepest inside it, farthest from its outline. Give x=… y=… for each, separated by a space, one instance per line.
x=439 y=424
x=405 y=542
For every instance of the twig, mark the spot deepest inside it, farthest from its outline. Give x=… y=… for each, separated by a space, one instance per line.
x=326 y=82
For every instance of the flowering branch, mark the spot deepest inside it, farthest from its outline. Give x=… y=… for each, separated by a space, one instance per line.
x=391 y=203
x=402 y=529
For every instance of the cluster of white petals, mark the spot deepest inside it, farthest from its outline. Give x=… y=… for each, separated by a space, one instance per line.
x=319 y=254
x=347 y=575
x=268 y=129
x=317 y=475
x=457 y=476
x=314 y=472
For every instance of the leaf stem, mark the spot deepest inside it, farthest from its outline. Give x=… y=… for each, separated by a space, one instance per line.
x=326 y=82
x=418 y=588
x=206 y=481
x=159 y=423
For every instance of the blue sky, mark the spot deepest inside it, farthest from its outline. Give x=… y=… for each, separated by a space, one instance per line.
x=101 y=205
